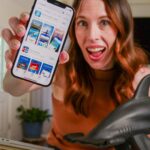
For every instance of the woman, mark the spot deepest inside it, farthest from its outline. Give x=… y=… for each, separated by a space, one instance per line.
x=103 y=71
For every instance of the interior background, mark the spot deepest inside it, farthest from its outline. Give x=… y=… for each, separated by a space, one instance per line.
x=10 y=126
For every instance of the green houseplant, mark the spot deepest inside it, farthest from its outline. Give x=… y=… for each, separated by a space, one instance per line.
x=32 y=120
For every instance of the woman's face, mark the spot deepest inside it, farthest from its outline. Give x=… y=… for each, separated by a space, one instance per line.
x=95 y=34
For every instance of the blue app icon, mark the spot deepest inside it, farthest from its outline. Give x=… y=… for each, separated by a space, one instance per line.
x=37 y=13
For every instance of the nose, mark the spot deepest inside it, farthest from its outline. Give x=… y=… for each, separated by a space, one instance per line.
x=94 y=33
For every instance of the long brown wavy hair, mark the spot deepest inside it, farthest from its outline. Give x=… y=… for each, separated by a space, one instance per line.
x=128 y=58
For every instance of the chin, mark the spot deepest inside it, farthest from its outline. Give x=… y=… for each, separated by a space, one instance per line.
x=96 y=67
x=99 y=67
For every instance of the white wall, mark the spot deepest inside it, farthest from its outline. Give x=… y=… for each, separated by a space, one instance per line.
x=12 y=8
x=140 y=8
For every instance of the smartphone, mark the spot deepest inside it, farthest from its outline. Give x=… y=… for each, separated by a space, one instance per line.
x=47 y=29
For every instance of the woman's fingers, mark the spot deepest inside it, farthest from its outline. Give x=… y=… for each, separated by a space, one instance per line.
x=13 y=22
x=13 y=36
x=24 y=17
x=14 y=44
x=7 y=35
x=18 y=24
x=21 y=29
x=17 y=27
x=64 y=57
x=9 y=38
x=8 y=56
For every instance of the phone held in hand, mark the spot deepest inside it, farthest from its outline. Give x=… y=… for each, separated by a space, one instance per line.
x=47 y=29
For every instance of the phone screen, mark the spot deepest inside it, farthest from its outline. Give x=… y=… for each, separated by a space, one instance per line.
x=46 y=33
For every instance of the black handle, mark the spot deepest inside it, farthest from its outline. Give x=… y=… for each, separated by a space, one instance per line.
x=138 y=142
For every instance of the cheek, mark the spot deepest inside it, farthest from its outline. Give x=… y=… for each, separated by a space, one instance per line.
x=80 y=40
x=79 y=36
x=111 y=37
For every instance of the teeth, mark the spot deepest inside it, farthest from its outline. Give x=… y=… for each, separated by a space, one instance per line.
x=95 y=49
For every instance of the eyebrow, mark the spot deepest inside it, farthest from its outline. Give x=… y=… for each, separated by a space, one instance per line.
x=101 y=17
x=80 y=17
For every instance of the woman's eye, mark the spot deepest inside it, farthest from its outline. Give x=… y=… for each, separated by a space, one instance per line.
x=104 y=22
x=81 y=23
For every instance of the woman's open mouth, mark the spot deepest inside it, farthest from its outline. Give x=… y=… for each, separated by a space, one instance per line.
x=95 y=53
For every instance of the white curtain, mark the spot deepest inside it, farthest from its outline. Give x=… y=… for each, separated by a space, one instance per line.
x=3 y=47
x=11 y=125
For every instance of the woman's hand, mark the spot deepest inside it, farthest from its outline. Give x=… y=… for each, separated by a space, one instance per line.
x=14 y=35
x=142 y=72
x=64 y=57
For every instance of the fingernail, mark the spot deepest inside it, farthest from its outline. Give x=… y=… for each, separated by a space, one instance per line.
x=20 y=31
x=14 y=44
x=24 y=17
